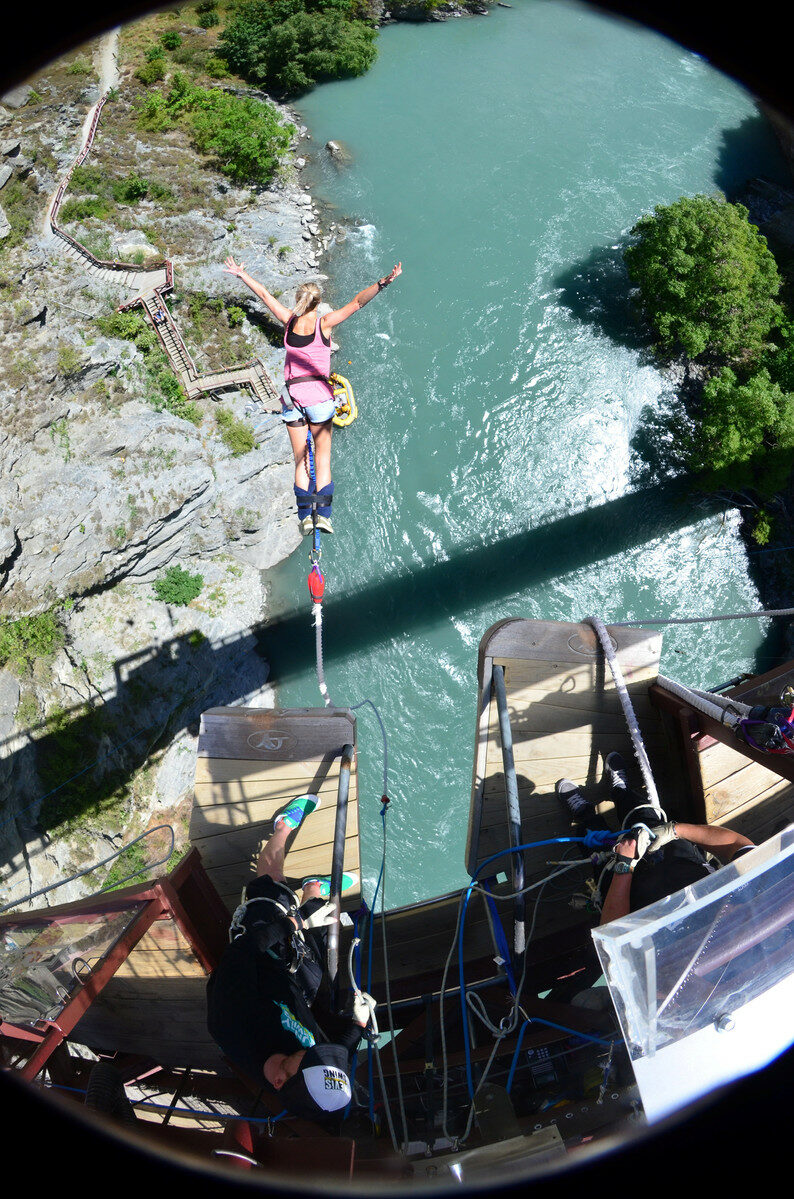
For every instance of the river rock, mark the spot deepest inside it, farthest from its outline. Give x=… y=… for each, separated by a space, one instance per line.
x=339 y=153
x=17 y=97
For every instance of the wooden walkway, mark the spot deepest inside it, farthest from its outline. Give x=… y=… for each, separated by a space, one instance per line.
x=156 y=1005
x=146 y=288
x=251 y=763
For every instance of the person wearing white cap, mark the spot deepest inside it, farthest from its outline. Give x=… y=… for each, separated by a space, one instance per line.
x=261 y=998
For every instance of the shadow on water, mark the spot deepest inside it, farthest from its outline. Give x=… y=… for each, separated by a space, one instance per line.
x=745 y=153
x=597 y=291
x=103 y=745
x=417 y=599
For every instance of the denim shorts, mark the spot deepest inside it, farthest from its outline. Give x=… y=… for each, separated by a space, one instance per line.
x=318 y=414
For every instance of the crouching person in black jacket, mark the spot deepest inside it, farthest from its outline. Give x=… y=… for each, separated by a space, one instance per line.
x=262 y=1006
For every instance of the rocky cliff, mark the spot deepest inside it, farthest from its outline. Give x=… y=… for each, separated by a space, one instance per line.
x=110 y=476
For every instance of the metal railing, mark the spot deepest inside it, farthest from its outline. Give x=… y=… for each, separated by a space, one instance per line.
x=513 y=809
x=337 y=868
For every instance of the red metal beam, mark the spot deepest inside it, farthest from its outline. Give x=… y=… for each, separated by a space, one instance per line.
x=98 y=978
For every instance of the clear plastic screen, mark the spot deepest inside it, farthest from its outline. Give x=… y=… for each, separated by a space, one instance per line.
x=700 y=979
x=42 y=961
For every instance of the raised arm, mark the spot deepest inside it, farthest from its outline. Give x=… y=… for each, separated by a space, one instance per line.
x=237 y=268
x=357 y=303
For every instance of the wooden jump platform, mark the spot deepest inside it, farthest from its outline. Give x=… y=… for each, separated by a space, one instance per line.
x=565 y=717
x=251 y=763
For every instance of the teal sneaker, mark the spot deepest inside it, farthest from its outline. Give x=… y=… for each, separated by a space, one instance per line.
x=348 y=881
x=298 y=810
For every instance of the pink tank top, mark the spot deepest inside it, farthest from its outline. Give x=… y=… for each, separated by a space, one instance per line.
x=313 y=359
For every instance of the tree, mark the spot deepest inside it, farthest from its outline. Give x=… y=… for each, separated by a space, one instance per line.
x=289 y=45
x=246 y=136
x=746 y=433
x=707 y=279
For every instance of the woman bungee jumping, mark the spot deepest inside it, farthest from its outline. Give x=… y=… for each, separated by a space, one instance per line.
x=307 y=401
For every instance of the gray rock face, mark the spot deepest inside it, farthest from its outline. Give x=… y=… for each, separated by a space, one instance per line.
x=100 y=493
x=17 y=97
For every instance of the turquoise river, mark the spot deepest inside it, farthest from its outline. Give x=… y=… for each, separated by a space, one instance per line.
x=501 y=383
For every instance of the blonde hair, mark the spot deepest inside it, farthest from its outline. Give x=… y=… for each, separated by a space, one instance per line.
x=307 y=296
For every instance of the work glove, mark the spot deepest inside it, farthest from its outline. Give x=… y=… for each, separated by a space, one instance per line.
x=363 y=1007
x=643 y=837
x=323 y=916
x=663 y=834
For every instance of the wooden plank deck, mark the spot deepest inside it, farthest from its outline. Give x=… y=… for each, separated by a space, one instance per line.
x=565 y=717
x=251 y=763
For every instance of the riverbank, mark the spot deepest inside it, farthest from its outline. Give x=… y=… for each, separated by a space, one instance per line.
x=106 y=484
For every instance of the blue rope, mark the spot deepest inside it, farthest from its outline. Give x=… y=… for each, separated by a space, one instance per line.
x=594 y=837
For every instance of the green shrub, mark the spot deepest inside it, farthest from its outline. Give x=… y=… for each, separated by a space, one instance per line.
x=83 y=209
x=215 y=67
x=289 y=45
x=208 y=19
x=23 y=642
x=779 y=358
x=80 y=66
x=235 y=316
x=763 y=528
x=130 y=326
x=178 y=587
x=91 y=179
x=151 y=72
x=236 y=435
x=171 y=39
x=165 y=392
x=707 y=279
x=243 y=135
x=69 y=361
x=130 y=189
x=28 y=710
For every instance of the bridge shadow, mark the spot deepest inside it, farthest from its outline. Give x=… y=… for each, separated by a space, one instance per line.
x=104 y=744
x=418 y=598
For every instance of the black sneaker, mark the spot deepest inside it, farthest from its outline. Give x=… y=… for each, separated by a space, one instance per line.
x=615 y=768
x=572 y=797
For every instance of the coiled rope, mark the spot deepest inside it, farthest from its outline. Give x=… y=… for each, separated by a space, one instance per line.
x=472 y=1003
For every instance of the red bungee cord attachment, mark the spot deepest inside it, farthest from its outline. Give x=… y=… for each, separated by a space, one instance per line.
x=316 y=583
